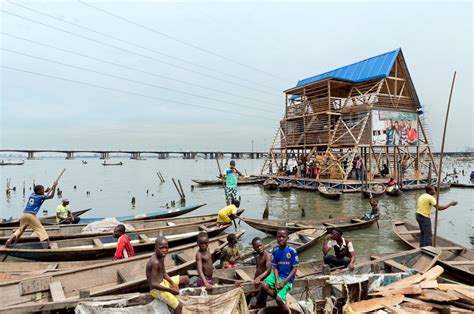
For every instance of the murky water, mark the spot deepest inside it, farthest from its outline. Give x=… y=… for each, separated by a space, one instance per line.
x=112 y=188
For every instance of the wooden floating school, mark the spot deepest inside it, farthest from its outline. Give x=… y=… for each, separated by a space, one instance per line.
x=368 y=110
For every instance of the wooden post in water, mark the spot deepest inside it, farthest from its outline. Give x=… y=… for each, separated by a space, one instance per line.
x=441 y=161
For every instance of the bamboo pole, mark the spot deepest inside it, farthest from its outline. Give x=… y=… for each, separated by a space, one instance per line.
x=441 y=161
x=177 y=189
x=181 y=187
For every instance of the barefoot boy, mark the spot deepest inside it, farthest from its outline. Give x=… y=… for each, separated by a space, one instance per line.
x=204 y=261
x=264 y=267
x=230 y=254
x=284 y=265
x=162 y=286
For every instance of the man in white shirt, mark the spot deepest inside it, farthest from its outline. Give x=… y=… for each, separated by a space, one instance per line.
x=343 y=249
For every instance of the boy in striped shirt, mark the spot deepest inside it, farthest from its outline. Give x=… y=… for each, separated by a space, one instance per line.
x=124 y=247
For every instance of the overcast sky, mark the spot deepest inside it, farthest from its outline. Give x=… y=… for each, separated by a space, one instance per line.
x=210 y=75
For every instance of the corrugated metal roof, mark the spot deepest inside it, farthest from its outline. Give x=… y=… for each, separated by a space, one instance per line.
x=365 y=70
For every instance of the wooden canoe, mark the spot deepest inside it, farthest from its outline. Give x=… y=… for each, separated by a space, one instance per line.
x=329 y=192
x=270 y=184
x=241 y=181
x=62 y=232
x=300 y=241
x=112 y=164
x=105 y=246
x=454 y=258
x=16 y=270
x=443 y=186
x=167 y=213
x=462 y=185
x=344 y=223
x=49 y=220
x=11 y=163
x=112 y=277
x=393 y=191
x=374 y=190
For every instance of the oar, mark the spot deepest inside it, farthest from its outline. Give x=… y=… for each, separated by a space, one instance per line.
x=60 y=175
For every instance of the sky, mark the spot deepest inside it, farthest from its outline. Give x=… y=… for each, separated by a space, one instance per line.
x=191 y=75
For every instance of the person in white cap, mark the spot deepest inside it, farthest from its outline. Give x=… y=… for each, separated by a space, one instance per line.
x=64 y=214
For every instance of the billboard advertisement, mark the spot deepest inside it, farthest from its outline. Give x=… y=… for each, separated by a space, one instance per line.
x=394 y=128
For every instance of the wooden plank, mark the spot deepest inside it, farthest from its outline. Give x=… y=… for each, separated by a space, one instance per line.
x=376 y=303
x=459 y=262
x=437 y=295
x=429 y=284
x=124 y=276
x=57 y=292
x=435 y=305
x=53 y=245
x=396 y=265
x=415 y=289
x=409 y=232
x=184 y=257
x=144 y=237
x=51 y=266
x=98 y=243
x=433 y=273
x=35 y=285
x=242 y=274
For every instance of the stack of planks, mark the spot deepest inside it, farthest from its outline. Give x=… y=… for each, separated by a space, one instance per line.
x=420 y=293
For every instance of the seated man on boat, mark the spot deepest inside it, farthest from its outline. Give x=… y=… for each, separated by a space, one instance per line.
x=285 y=263
x=124 y=247
x=343 y=250
x=228 y=213
x=29 y=218
x=162 y=286
x=64 y=214
x=423 y=213
x=375 y=212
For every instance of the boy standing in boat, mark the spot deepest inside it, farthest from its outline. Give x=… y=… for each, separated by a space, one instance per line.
x=231 y=179
x=284 y=266
x=423 y=214
x=124 y=247
x=204 y=261
x=29 y=218
x=343 y=250
x=162 y=286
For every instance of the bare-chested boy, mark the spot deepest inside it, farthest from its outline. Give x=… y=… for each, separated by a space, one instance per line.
x=264 y=267
x=162 y=286
x=205 y=261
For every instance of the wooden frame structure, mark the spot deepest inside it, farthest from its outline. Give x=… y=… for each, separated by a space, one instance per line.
x=329 y=119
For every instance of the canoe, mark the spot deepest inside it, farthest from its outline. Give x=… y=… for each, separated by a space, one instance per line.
x=111 y=277
x=62 y=232
x=393 y=191
x=112 y=164
x=300 y=241
x=270 y=184
x=454 y=258
x=7 y=163
x=329 y=192
x=49 y=220
x=105 y=246
x=241 y=181
x=443 y=186
x=344 y=223
x=374 y=190
x=283 y=186
x=16 y=270
x=462 y=185
x=167 y=213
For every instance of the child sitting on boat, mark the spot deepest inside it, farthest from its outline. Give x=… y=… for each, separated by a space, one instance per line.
x=124 y=247
x=162 y=286
x=230 y=254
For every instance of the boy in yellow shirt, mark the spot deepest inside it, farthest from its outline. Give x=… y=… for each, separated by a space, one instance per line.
x=423 y=213
x=228 y=213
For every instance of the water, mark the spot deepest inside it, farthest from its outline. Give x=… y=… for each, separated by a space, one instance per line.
x=112 y=188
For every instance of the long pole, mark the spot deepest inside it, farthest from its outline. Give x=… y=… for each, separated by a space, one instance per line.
x=441 y=161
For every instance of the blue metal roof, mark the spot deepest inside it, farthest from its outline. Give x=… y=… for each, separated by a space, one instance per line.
x=365 y=70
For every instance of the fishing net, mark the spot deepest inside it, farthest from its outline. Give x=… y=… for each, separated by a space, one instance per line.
x=231 y=302
x=121 y=306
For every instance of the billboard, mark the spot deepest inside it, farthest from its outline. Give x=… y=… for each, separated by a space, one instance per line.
x=394 y=128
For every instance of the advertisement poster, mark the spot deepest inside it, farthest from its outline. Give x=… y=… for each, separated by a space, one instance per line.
x=394 y=128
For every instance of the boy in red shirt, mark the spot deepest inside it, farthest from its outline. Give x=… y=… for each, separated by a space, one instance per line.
x=124 y=247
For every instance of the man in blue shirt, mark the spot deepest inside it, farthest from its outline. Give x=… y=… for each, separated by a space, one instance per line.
x=284 y=266
x=231 y=179
x=29 y=218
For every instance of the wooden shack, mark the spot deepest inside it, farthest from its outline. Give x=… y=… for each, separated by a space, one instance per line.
x=367 y=110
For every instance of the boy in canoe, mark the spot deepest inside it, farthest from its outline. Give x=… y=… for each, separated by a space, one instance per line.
x=204 y=261
x=228 y=213
x=284 y=266
x=124 y=247
x=343 y=250
x=264 y=267
x=230 y=254
x=231 y=179
x=162 y=286
x=375 y=212
x=29 y=218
